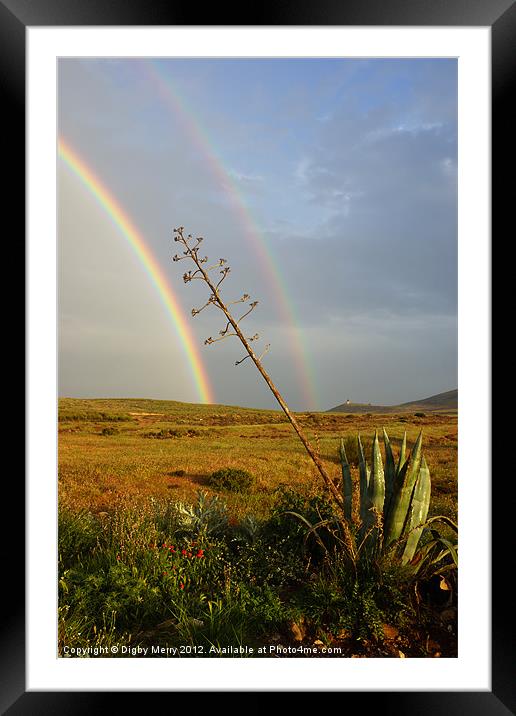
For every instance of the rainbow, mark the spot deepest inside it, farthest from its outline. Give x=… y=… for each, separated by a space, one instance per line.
x=122 y=221
x=200 y=140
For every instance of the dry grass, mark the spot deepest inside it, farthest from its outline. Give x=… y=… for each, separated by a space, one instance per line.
x=97 y=471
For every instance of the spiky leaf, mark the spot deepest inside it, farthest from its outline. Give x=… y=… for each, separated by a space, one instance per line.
x=364 y=473
x=347 y=490
x=403 y=453
x=402 y=497
x=390 y=471
x=399 y=477
x=418 y=512
x=377 y=479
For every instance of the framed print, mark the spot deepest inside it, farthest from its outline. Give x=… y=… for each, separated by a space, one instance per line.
x=193 y=529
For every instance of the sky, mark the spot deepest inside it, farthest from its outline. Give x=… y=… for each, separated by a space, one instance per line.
x=329 y=185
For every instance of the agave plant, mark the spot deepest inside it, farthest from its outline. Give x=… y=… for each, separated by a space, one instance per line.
x=394 y=499
x=391 y=514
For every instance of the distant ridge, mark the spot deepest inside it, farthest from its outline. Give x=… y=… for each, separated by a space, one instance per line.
x=441 y=400
x=447 y=401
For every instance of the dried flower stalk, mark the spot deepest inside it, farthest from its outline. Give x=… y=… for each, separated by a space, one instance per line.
x=191 y=251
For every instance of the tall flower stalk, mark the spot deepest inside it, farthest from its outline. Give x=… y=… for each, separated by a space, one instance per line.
x=232 y=328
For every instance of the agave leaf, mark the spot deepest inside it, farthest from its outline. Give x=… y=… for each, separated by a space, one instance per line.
x=451 y=549
x=312 y=529
x=302 y=518
x=402 y=498
x=347 y=490
x=375 y=495
x=399 y=476
x=447 y=521
x=418 y=511
x=430 y=558
x=390 y=471
x=403 y=453
x=364 y=483
x=389 y=516
x=377 y=479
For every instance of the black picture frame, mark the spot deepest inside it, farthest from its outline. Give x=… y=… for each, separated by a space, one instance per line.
x=500 y=16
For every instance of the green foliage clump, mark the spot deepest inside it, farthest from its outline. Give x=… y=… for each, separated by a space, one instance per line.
x=231 y=479
x=291 y=532
x=264 y=609
x=267 y=561
x=79 y=534
x=360 y=603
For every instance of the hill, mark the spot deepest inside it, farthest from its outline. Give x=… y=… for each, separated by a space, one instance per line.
x=447 y=401
x=441 y=401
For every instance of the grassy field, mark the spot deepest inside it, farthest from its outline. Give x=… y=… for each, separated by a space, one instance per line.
x=132 y=449
x=131 y=575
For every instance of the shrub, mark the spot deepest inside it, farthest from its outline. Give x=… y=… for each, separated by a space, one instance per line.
x=231 y=479
x=95 y=416
x=169 y=433
x=351 y=449
x=163 y=434
x=420 y=415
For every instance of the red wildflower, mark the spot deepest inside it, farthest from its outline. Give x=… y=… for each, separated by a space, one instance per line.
x=183 y=552
x=200 y=553
x=181 y=585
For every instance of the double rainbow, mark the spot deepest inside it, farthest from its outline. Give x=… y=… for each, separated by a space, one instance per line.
x=140 y=247
x=154 y=72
